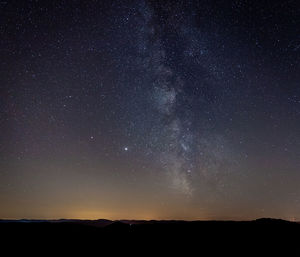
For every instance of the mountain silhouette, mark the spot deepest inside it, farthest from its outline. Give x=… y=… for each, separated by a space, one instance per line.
x=215 y=236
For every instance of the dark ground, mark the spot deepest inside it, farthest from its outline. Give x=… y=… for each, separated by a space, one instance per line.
x=243 y=237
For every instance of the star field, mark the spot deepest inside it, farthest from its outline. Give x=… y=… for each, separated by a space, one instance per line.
x=150 y=109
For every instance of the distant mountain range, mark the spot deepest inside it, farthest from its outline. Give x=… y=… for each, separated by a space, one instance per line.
x=150 y=235
x=105 y=222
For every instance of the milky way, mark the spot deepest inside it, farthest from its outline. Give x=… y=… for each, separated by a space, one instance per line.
x=182 y=141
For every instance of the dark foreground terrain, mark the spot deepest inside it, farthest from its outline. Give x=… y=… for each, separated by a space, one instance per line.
x=105 y=235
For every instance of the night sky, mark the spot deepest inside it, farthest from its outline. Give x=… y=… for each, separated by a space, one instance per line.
x=150 y=109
